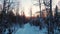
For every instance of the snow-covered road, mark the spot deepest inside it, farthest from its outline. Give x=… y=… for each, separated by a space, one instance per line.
x=28 y=29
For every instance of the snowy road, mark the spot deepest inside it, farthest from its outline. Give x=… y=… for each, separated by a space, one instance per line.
x=31 y=30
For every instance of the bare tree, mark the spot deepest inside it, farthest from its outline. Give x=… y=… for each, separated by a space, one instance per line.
x=4 y=21
x=50 y=23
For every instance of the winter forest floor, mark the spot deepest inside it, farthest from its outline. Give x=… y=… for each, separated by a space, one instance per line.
x=21 y=25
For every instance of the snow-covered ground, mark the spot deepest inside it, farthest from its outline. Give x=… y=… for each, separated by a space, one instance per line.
x=28 y=29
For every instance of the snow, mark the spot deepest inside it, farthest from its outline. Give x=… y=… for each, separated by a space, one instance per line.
x=28 y=29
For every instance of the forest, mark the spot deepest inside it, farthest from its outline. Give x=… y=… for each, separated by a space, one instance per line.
x=10 y=22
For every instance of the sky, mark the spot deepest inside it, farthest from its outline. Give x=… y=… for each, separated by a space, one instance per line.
x=26 y=5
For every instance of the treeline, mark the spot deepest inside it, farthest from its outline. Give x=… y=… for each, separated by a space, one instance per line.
x=52 y=23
